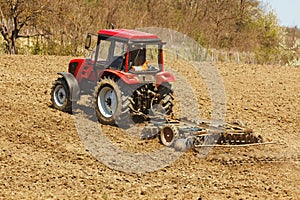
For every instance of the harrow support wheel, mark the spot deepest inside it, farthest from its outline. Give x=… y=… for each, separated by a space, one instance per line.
x=168 y=134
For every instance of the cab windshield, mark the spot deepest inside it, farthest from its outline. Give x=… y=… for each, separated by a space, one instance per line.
x=144 y=57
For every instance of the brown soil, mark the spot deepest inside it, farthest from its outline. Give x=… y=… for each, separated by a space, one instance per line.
x=42 y=156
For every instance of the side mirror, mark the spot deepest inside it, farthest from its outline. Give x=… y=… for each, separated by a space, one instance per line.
x=88 y=41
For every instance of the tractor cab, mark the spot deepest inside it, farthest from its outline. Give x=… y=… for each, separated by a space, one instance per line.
x=127 y=50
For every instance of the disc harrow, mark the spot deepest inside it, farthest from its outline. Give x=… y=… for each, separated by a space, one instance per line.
x=183 y=134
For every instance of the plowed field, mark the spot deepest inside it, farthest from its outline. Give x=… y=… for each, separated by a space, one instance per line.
x=42 y=155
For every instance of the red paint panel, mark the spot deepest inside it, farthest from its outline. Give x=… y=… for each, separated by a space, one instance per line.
x=83 y=70
x=164 y=77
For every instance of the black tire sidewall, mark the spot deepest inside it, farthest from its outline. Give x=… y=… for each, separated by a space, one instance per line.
x=165 y=92
x=67 y=104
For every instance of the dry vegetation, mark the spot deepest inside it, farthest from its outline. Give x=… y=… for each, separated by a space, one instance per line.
x=231 y=25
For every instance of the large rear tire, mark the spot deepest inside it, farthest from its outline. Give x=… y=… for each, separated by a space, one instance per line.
x=111 y=105
x=60 y=96
x=166 y=98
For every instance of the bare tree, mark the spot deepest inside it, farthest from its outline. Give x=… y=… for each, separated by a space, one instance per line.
x=17 y=14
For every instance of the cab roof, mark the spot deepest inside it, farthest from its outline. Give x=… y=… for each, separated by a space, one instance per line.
x=131 y=35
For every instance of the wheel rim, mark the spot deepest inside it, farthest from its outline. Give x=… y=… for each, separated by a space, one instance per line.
x=107 y=101
x=60 y=95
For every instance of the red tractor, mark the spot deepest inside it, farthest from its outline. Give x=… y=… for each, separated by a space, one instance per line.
x=125 y=74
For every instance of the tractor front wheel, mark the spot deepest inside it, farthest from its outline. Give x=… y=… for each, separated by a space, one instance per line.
x=60 y=96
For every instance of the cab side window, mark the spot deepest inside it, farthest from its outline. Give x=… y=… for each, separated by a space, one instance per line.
x=104 y=50
x=118 y=58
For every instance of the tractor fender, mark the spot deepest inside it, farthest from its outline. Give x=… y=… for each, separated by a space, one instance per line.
x=72 y=84
x=164 y=77
x=126 y=77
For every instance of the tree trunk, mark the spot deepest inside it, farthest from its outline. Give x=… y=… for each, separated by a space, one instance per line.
x=14 y=39
x=11 y=45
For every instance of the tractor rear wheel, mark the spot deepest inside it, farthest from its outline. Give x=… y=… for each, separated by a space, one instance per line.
x=112 y=107
x=60 y=96
x=166 y=98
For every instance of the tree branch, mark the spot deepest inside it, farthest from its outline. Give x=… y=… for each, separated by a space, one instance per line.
x=33 y=35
